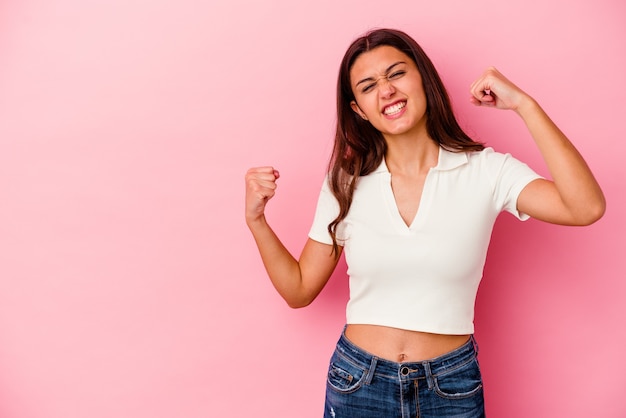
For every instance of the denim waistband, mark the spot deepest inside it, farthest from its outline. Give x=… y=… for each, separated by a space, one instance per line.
x=409 y=370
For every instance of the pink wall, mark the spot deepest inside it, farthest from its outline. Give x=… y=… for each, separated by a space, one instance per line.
x=129 y=284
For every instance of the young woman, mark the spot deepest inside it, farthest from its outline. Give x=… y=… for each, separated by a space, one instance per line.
x=412 y=200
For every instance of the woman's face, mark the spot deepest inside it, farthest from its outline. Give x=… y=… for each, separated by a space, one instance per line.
x=388 y=91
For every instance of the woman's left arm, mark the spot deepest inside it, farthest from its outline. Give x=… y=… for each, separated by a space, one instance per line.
x=574 y=196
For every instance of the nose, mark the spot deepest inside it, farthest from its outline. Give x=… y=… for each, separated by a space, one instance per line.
x=386 y=88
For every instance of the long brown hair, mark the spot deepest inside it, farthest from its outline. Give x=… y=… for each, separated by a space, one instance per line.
x=359 y=147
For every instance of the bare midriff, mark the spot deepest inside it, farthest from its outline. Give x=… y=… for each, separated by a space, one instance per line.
x=402 y=346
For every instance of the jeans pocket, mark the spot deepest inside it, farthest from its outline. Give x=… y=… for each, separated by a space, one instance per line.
x=462 y=382
x=344 y=376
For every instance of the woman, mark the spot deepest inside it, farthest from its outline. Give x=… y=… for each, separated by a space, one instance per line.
x=412 y=200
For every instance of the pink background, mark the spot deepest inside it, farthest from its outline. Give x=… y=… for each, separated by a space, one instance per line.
x=129 y=284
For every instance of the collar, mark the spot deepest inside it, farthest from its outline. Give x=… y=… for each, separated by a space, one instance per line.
x=448 y=160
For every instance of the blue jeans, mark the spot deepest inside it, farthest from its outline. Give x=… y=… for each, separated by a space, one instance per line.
x=361 y=385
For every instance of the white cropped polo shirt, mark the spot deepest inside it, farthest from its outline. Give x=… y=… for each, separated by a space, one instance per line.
x=423 y=277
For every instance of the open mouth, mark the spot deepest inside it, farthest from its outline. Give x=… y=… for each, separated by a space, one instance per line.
x=394 y=108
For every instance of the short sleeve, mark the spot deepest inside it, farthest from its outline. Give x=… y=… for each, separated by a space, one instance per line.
x=326 y=212
x=510 y=176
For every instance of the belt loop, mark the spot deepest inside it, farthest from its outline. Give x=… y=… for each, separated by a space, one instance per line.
x=372 y=369
x=429 y=374
x=474 y=343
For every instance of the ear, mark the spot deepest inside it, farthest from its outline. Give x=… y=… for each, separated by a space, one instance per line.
x=357 y=109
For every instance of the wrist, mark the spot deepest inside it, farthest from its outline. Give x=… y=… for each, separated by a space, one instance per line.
x=527 y=106
x=256 y=221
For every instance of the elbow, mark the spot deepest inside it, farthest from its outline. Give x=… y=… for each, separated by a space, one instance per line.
x=298 y=304
x=598 y=213
x=592 y=213
x=301 y=301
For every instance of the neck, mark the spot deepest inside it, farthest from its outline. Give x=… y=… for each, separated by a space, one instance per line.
x=411 y=154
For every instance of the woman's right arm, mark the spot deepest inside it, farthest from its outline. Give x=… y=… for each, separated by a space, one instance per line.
x=297 y=281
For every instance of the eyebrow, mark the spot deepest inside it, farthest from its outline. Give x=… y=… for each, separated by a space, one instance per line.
x=386 y=72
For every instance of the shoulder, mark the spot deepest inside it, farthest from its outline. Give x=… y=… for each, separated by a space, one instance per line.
x=470 y=160
x=487 y=155
x=491 y=160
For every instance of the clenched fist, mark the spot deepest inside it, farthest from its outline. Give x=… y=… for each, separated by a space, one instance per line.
x=260 y=187
x=492 y=89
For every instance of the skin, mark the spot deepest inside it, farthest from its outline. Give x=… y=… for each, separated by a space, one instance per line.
x=382 y=77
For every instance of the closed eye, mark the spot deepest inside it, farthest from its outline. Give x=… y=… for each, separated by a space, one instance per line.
x=368 y=88
x=397 y=74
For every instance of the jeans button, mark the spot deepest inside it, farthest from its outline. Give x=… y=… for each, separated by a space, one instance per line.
x=404 y=371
